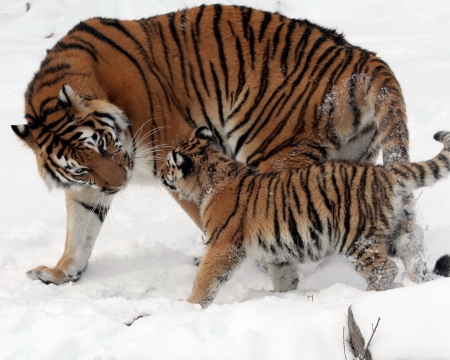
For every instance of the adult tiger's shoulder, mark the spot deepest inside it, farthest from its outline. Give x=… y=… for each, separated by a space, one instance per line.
x=278 y=93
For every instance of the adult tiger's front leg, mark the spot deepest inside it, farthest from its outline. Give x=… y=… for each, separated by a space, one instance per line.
x=86 y=210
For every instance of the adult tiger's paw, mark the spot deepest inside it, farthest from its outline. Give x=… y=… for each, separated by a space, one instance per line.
x=284 y=276
x=51 y=276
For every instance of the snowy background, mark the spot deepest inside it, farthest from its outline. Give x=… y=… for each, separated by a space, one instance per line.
x=142 y=264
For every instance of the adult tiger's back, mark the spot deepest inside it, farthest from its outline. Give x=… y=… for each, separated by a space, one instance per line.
x=278 y=93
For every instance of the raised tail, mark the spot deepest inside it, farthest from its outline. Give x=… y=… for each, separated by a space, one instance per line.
x=411 y=176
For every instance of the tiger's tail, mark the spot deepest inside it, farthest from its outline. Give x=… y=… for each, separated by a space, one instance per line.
x=411 y=176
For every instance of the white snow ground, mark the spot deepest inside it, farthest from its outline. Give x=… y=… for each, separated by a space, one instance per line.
x=142 y=263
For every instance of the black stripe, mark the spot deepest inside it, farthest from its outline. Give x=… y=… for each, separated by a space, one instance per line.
x=241 y=76
x=196 y=42
x=264 y=24
x=434 y=168
x=444 y=159
x=60 y=78
x=287 y=46
x=276 y=40
x=55 y=178
x=99 y=210
x=165 y=49
x=173 y=31
x=252 y=47
x=313 y=215
x=295 y=235
x=62 y=47
x=321 y=181
x=105 y=115
x=352 y=102
x=218 y=94
x=218 y=231
x=268 y=191
x=276 y=228
x=218 y=37
x=198 y=19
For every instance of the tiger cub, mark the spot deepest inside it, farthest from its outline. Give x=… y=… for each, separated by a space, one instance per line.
x=295 y=215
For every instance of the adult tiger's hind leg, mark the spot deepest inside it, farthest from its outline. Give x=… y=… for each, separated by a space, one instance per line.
x=284 y=276
x=386 y=98
x=409 y=246
x=86 y=211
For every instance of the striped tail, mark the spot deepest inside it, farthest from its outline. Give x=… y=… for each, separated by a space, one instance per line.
x=411 y=176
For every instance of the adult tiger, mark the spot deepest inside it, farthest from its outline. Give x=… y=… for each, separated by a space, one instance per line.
x=278 y=93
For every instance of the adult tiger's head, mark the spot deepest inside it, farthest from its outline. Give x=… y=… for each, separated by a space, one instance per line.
x=87 y=145
x=184 y=164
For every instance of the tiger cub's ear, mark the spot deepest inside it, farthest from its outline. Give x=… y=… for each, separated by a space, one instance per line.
x=179 y=159
x=204 y=133
x=24 y=133
x=183 y=163
x=69 y=99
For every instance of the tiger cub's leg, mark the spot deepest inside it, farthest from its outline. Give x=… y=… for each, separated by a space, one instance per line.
x=216 y=267
x=86 y=211
x=371 y=259
x=284 y=275
x=381 y=276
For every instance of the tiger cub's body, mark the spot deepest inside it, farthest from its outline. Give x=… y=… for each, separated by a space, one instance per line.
x=296 y=215
x=278 y=93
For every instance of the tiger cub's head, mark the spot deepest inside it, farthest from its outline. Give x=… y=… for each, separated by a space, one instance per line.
x=185 y=164
x=85 y=144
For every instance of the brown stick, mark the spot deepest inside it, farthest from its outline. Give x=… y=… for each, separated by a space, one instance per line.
x=373 y=332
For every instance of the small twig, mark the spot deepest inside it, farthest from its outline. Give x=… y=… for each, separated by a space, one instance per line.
x=343 y=341
x=310 y=297
x=419 y=196
x=368 y=343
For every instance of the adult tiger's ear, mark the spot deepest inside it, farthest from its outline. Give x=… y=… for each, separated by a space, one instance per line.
x=205 y=133
x=70 y=100
x=24 y=134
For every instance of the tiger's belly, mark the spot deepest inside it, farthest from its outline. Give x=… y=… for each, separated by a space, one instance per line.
x=287 y=249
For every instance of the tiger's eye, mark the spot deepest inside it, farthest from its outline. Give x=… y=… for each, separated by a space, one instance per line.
x=80 y=171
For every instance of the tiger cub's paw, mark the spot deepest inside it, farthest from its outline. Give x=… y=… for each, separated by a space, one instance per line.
x=51 y=276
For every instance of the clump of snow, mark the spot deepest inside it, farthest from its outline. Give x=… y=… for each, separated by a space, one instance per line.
x=403 y=314
x=129 y=303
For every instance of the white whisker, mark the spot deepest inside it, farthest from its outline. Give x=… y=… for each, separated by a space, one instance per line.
x=138 y=132
x=139 y=139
